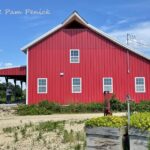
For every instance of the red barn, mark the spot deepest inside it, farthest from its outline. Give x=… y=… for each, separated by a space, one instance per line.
x=76 y=62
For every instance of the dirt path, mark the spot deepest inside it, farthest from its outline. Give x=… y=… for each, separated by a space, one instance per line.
x=9 y=121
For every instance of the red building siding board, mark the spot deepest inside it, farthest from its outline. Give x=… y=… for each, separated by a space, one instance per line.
x=98 y=58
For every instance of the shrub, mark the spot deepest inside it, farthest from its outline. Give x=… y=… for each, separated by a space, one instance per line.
x=141 y=121
x=107 y=121
x=75 y=108
x=116 y=105
x=47 y=108
x=95 y=107
x=143 y=106
x=32 y=110
x=133 y=106
x=54 y=107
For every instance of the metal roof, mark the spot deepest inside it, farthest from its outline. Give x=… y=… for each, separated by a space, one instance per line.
x=18 y=73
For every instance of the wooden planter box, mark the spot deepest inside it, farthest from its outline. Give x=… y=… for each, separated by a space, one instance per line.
x=138 y=139
x=105 y=138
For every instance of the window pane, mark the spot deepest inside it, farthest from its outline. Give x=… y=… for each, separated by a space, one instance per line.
x=139 y=81
x=76 y=81
x=74 y=59
x=107 y=81
x=42 y=89
x=108 y=88
x=140 y=88
x=72 y=53
x=76 y=88
x=75 y=53
x=42 y=81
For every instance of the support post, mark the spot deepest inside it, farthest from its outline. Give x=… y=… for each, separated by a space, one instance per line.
x=128 y=99
x=15 y=90
x=21 y=83
x=6 y=79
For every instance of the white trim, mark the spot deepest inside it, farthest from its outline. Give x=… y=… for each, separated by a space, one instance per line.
x=27 y=79
x=141 y=85
x=108 y=85
x=80 y=84
x=24 y=49
x=39 y=86
x=78 y=56
x=77 y=17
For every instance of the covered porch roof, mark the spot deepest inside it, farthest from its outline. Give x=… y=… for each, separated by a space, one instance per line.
x=17 y=73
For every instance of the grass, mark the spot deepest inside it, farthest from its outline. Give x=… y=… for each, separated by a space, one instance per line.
x=23 y=132
x=15 y=137
x=46 y=133
x=50 y=126
x=77 y=147
x=39 y=137
x=8 y=130
x=68 y=137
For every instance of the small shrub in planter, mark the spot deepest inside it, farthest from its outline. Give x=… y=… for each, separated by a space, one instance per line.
x=139 y=132
x=106 y=132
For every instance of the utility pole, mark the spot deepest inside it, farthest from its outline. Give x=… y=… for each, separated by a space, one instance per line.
x=128 y=61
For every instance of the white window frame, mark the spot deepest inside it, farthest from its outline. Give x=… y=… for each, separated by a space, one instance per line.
x=41 y=86
x=76 y=56
x=74 y=85
x=139 y=85
x=108 y=85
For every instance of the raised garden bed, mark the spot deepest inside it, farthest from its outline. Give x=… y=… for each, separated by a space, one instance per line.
x=139 y=140
x=106 y=133
x=139 y=133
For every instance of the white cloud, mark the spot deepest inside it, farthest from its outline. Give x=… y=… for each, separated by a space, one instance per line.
x=8 y=64
x=122 y=21
x=142 y=33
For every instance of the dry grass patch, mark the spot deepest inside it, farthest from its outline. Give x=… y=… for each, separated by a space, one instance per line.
x=53 y=135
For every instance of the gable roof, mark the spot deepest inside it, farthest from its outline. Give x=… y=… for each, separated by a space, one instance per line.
x=76 y=17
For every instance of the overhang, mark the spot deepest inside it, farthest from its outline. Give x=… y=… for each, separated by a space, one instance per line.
x=17 y=73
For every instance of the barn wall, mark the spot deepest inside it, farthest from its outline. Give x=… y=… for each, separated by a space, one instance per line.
x=99 y=58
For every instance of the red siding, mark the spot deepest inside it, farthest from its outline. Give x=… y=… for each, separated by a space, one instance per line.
x=99 y=58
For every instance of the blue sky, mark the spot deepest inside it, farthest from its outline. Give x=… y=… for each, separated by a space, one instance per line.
x=115 y=17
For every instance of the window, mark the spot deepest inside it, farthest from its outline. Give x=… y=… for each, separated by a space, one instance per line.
x=76 y=85
x=108 y=85
x=139 y=84
x=74 y=56
x=42 y=85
